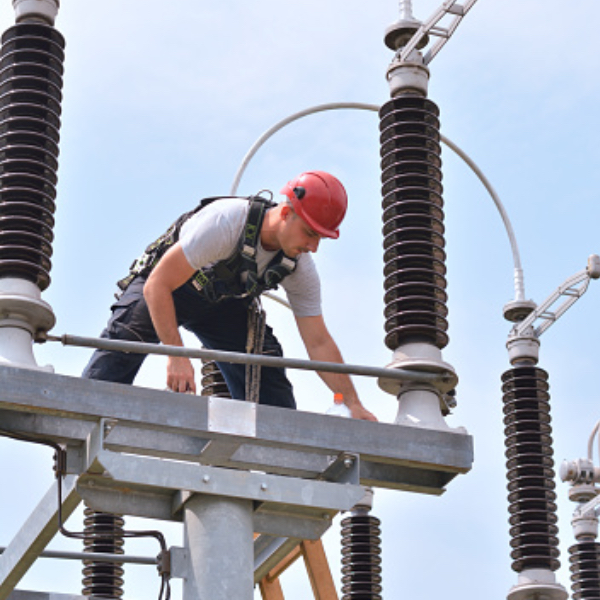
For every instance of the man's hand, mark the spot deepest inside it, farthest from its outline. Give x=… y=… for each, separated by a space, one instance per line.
x=358 y=411
x=180 y=375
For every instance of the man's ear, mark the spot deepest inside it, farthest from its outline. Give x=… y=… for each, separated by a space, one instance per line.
x=286 y=212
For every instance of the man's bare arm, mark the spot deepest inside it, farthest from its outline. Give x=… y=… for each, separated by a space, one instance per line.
x=322 y=347
x=171 y=272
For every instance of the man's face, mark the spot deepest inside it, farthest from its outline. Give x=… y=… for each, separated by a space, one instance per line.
x=297 y=237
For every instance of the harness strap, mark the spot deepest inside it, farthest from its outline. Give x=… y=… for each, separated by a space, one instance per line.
x=222 y=279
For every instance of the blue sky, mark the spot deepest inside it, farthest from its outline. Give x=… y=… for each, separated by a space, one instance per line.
x=161 y=103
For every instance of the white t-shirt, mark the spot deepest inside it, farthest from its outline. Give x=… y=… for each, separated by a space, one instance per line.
x=213 y=233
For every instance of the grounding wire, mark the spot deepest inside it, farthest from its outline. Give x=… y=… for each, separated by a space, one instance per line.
x=60 y=462
x=591 y=442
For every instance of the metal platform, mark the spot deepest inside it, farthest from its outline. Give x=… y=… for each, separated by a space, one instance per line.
x=144 y=452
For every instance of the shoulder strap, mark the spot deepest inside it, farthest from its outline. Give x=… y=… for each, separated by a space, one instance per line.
x=279 y=267
x=144 y=264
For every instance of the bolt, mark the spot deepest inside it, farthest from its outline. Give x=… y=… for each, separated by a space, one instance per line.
x=263 y=487
x=348 y=462
x=206 y=479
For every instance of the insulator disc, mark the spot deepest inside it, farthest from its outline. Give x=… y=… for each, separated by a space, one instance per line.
x=412 y=180
x=399 y=142
x=31 y=72
x=533 y=527
x=414 y=130
x=26 y=168
x=43 y=100
x=527 y=424
x=414 y=248
x=29 y=153
x=414 y=275
x=26 y=225
x=406 y=154
x=219 y=390
x=415 y=199
x=519 y=480
x=519 y=414
x=361 y=560
x=526 y=518
x=408 y=168
x=408 y=115
x=533 y=540
x=524 y=439
x=12 y=112
x=9 y=238
x=31 y=68
x=530 y=470
x=412 y=303
x=409 y=291
x=413 y=220
x=585 y=569
x=424 y=262
x=404 y=235
x=407 y=102
x=527 y=377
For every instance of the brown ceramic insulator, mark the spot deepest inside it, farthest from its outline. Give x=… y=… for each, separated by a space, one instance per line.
x=361 y=558
x=530 y=471
x=585 y=570
x=31 y=70
x=103 y=533
x=413 y=227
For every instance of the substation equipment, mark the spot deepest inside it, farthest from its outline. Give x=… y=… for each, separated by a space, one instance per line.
x=227 y=469
x=249 y=482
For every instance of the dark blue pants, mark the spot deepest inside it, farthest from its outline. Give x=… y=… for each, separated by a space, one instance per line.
x=219 y=326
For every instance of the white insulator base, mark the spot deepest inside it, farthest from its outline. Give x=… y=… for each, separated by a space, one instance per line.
x=23 y=314
x=420 y=408
x=537 y=584
x=36 y=9
x=419 y=357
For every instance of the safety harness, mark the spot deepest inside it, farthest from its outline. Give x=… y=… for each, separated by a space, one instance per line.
x=234 y=277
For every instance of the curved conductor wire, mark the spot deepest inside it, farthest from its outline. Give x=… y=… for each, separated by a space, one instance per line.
x=518 y=270
x=591 y=442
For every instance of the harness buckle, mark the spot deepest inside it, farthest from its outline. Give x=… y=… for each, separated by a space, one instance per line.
x=249 y=251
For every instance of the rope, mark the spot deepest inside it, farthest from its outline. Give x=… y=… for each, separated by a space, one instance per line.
x=256 y=336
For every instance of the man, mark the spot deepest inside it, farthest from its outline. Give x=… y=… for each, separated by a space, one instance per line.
x=203 y=274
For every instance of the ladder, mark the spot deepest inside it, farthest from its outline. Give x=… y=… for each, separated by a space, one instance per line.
x=317 y=568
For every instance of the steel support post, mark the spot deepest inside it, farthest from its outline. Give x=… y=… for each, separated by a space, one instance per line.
x=219 y=548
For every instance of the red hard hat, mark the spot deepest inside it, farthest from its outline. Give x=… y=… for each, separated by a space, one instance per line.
x=319 y=199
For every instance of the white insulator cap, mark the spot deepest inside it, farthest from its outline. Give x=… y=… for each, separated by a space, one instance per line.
x=409 y=76
x=593 y=266
x=523 y=349
x=585 y=528
x=36 y=9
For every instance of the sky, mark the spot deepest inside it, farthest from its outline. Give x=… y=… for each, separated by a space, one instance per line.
x=162 y=100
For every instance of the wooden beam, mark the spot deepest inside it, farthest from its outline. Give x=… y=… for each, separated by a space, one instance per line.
x=318 y=570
